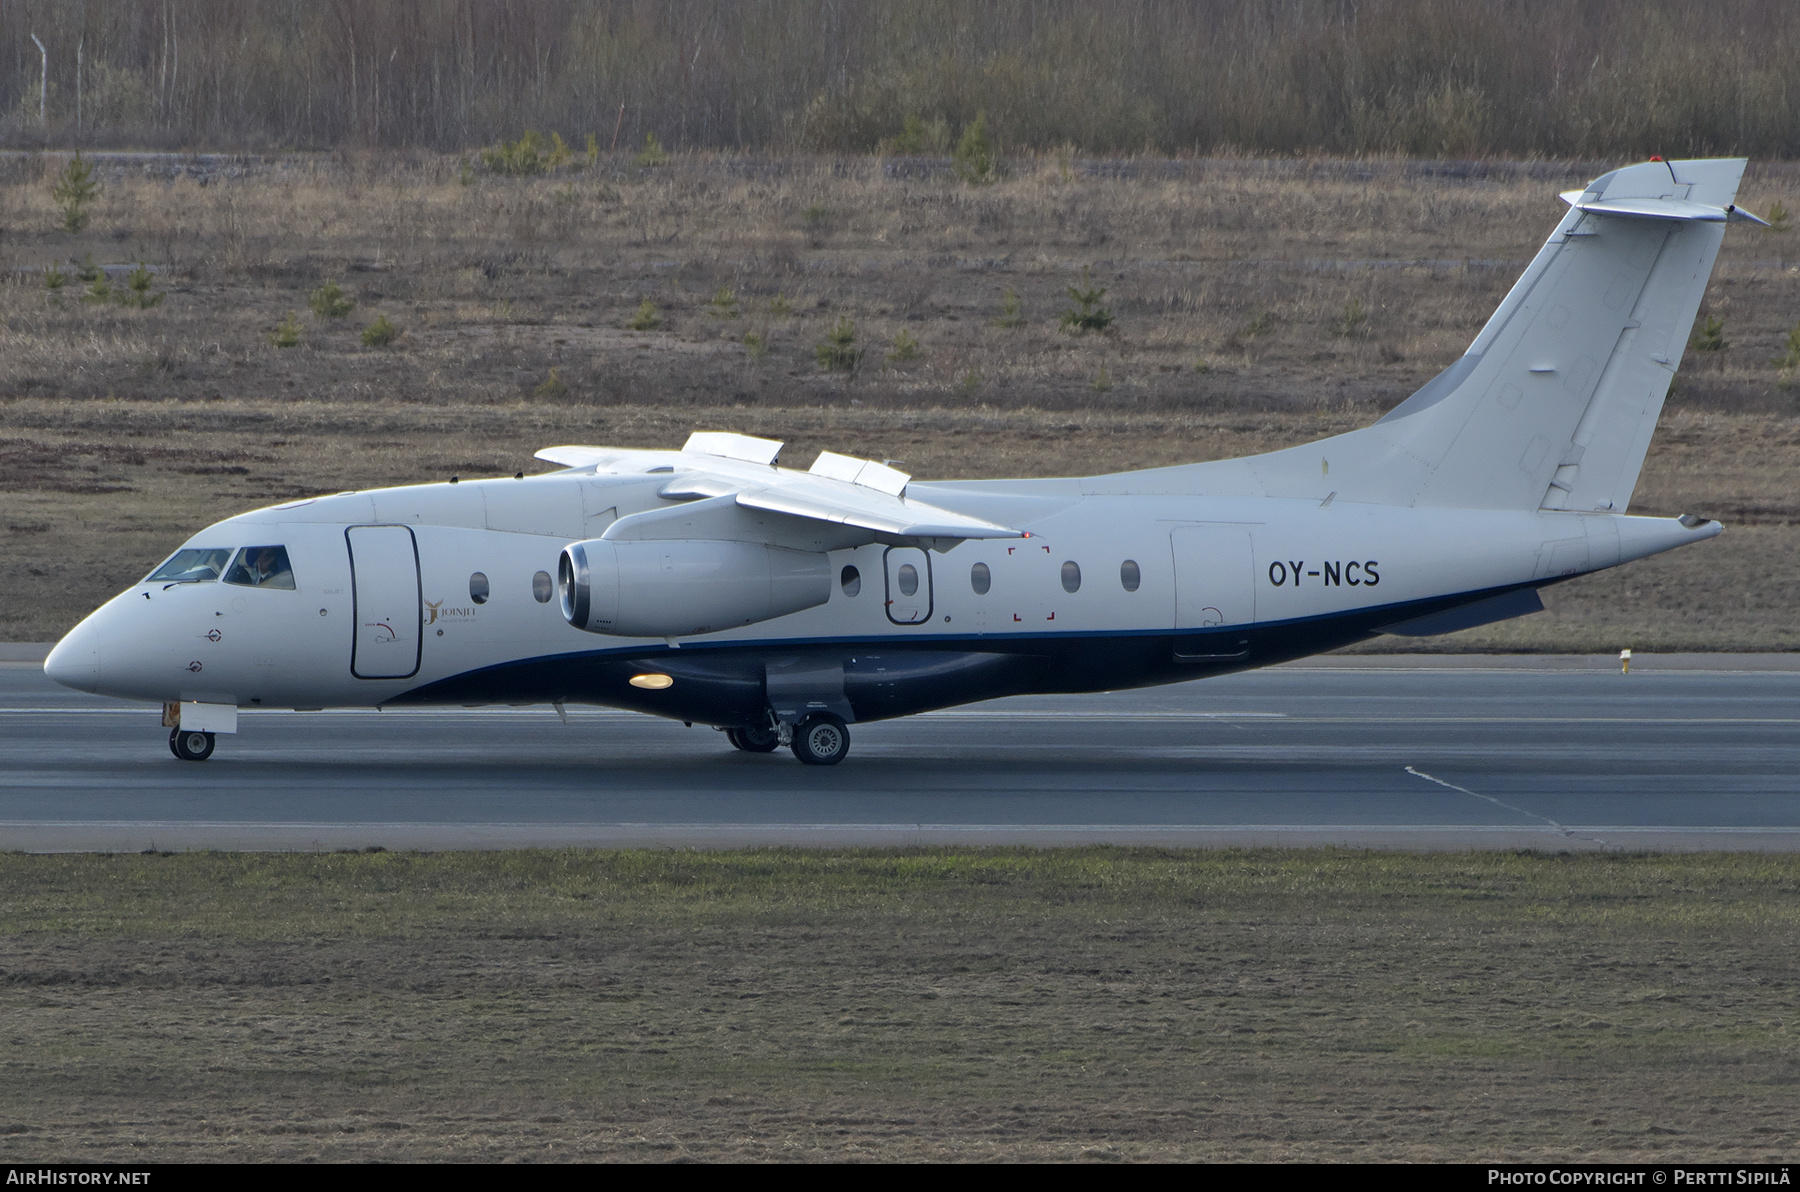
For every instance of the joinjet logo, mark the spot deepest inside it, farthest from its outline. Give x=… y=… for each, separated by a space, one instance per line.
x=435 y=612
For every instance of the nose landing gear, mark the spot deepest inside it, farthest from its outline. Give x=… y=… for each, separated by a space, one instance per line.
x=191 y=746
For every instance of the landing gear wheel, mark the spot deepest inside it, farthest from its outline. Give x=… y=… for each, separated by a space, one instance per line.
x=191 y=746
x=821 y=740
x=753 y=740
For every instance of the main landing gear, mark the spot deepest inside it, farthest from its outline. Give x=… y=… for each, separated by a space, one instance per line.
x=191 y=746
x=820 y=740
x=753 y=740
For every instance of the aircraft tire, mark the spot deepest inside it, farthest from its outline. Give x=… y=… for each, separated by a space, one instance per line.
x=191 y=746
x=821 y=740
x=753 y=740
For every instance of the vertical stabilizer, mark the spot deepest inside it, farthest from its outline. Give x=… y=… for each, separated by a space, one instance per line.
x=1553 y=405
x=1561 y=390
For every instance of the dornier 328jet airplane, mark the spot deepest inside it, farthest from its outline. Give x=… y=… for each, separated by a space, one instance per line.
x=712 y=586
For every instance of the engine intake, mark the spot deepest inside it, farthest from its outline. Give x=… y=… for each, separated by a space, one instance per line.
x=677 y=588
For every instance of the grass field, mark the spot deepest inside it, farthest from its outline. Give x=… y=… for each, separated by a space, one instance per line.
x=1256 y=303
x=1098 y=1003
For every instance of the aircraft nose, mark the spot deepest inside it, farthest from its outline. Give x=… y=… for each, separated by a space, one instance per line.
x=75 y=662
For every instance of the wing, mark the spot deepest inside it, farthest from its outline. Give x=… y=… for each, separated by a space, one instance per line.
x=839 y=490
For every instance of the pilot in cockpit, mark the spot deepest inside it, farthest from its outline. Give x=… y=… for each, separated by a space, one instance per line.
x=262 y=567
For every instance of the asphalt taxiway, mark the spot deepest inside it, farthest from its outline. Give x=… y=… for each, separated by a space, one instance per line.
x=1686 y=752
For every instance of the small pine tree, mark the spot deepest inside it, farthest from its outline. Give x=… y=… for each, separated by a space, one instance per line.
x=724 y=303
x=138 y=288
x=912 y=137
x=652 y=153
x=839 y=352
x=75 y=188
x=330 y=302
x=905 y=348
x=287 y=334
x=646 y=318
x=54 y=279
x=974 y=158
x=552 y=386
x=99 y=290
x=1791 y=357
x=380 y=333
x=1010 y=310
x=1778 y=217
x=1087 y=314
x=1711 y=337
x=521 y=158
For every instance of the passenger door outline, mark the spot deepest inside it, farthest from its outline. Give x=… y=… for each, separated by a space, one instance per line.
x=901 y=609
x=385 y=591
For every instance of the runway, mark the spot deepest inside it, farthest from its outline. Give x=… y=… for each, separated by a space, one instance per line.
x=1686 y=752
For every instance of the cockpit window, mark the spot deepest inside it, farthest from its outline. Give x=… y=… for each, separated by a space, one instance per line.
x=262 y=567
x=191 y=567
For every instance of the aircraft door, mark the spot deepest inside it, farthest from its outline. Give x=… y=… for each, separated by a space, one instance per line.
x=908 y=585
x=384 y=586
x=1214 y=576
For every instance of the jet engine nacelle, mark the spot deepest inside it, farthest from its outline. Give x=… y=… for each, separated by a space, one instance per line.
x=678 y=587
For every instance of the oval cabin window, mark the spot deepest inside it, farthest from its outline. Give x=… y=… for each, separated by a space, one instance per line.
x=1129 y=575
x=478 y=588
x=542 y=588
x=909 y=580
x=850 y=579
x=1071 y=576
x=981 y=579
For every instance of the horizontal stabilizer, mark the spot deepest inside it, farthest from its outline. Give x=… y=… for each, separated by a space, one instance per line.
x=1661 y=208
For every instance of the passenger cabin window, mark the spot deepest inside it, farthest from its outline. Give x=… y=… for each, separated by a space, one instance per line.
x=478 y=588
x=541 y=587
x=981 y=579
x=850 y=579
x=1071 y=576
x=262 y=567
x=908 y=578
x=192 y=566
x=1129 y=575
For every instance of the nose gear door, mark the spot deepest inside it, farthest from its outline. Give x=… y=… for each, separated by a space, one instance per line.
x=384 y=585
x=908 y=585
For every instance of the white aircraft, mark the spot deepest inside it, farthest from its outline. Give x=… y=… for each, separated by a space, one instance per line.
x=710 y=585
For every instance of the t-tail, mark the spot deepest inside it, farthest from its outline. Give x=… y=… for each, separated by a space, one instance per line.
x=1552 y=407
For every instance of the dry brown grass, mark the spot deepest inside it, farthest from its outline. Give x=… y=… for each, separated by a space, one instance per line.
x=916 y=1004
x=122 y=430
